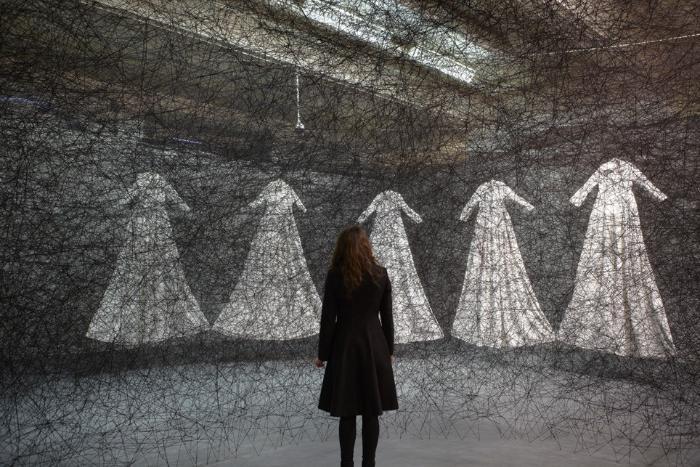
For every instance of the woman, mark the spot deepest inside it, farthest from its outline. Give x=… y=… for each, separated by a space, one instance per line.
x=358 y=379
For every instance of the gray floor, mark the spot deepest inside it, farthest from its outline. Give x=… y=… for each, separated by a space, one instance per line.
x=453 y=411
x=489 y=449
x=434 y=453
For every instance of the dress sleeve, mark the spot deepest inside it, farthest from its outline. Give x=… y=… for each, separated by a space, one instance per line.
x=260 y=199
x=640 y=179
x=297 y=200
x=469 y=207
x=386 y=316
x=131 y=193
x=329 y=312
x=410 y=212
x=172 y=196
x=582 y=193
x=370 y=209
x=513 y=197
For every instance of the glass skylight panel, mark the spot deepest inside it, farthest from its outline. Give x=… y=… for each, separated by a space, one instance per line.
x=443 y=64
x=450 y=42
x=330 y=13
x=379 y=21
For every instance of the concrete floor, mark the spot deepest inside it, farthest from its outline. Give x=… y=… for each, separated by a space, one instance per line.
x=433 y=453
x=453 y=412
x=490 y=449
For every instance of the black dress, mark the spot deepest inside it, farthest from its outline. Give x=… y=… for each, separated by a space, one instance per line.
x=359 y=379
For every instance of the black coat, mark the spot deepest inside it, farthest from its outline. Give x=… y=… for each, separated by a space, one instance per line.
x=358 y=379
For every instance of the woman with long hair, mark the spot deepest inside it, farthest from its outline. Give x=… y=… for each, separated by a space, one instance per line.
x=357 y=342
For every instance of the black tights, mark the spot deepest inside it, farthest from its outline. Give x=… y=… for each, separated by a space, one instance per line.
x=370 y=438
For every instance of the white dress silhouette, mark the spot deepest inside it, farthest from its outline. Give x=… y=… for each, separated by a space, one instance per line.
x=616 y=306
x=497 y=307
x=413 y=317
x=275 y=297
x=148 y=299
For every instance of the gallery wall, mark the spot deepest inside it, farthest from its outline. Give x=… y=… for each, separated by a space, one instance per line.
x=219 y=126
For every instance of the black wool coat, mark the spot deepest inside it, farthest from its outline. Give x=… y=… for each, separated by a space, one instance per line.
x=359 y=379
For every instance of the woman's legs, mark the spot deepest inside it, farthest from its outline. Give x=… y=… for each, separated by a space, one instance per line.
x=346 y=432
x=370 y=438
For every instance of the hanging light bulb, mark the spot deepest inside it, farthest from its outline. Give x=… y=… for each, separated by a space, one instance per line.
x=300 y=125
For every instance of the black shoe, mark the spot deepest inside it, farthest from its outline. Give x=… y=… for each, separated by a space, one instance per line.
x=366 y=463
x=347 y=463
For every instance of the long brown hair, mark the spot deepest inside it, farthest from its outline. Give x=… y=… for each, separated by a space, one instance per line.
x=353 y=256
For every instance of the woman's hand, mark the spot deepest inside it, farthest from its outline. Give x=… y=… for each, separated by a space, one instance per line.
x=318 y=363
x=393 y=359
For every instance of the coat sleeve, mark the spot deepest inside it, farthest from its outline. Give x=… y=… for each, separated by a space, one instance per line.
x=329 y=312
x=386 y=316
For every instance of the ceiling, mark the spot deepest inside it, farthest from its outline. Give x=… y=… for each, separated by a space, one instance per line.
x=425 y=76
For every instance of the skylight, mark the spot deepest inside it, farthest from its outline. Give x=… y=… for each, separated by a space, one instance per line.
x=395 y=28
